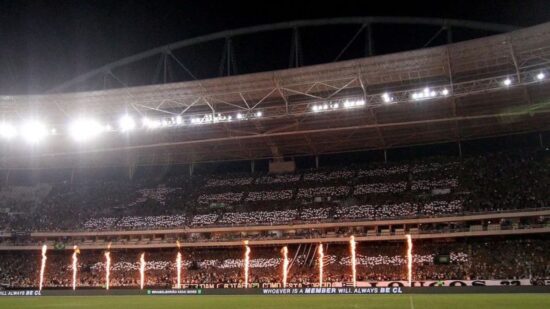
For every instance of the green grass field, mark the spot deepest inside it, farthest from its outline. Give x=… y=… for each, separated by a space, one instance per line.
x=462 y=301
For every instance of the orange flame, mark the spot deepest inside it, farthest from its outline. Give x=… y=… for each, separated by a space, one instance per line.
x=352 y=244
x=142 y=270
x=178 y=266
x=409 y=258
x=107 y=269
x=246 y=263
x=321 y=264
x=75 y=265
x=285 y=265
x=43 y=266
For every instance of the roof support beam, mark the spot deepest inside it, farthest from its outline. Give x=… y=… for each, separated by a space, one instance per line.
x=281 y=26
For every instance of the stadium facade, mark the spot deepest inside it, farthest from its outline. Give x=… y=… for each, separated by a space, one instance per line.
x=484 y=88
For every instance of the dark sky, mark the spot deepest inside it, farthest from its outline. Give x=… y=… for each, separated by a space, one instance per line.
x=44 y=43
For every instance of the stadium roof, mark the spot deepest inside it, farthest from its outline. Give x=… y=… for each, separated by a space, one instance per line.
x=486 y=87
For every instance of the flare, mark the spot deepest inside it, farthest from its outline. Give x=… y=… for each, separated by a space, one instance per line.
x=43 y=266
x=285 y=265
x=246 y=262
x=107 y=266
x=321 y=264
x=353 y=264
x=76 y=251
x=142 y=270
x=409 y=258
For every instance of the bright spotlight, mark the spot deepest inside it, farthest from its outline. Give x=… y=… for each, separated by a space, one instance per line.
x=386 y=97
x=33 y=131
x=541 y=76
x=7 y=131
x=445 y=92
x=150 y=123
x=239 y=116
x=507 y=82
x=126 y=123
x=84 y=129
x=259 y=114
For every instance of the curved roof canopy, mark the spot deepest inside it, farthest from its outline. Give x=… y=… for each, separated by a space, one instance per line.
x=479 y=88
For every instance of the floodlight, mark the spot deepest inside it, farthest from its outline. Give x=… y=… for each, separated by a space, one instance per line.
x=7 y=131
x=126 y=123
x=85 y=129
x=386 y=97
x=33 y=131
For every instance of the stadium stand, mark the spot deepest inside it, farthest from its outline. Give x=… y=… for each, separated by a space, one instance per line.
x=488 y=183
x=470 y=259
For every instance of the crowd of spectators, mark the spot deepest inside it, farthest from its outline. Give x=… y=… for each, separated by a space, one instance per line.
x=227 y=197
x=201 y=220
x=333 y=191
x=432 y=187
x=429 y=184
x=228 y=181
x=274 y=179
x=469 y=259
x=157 y=194
x=259 y=217
x=151 y=222
x=389 y=187
x=269 y=195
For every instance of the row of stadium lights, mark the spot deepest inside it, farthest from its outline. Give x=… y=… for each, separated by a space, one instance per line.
x=85 y=129
x=347 y=104
x=386 y=97
x=427 y=93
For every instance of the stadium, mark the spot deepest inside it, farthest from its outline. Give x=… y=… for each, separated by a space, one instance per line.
x=408 y=179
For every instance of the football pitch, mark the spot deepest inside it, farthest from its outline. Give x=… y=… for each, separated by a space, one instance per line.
x=418 y=301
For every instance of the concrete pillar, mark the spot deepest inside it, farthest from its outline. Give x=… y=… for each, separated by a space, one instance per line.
x=252 y=166
x=131 y=171
x=449 y=35
x=385 y=156
x=369 y=43
x=460 y=149
x=316 y=161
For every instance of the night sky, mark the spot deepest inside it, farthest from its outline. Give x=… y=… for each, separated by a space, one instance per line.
x=44 y=43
